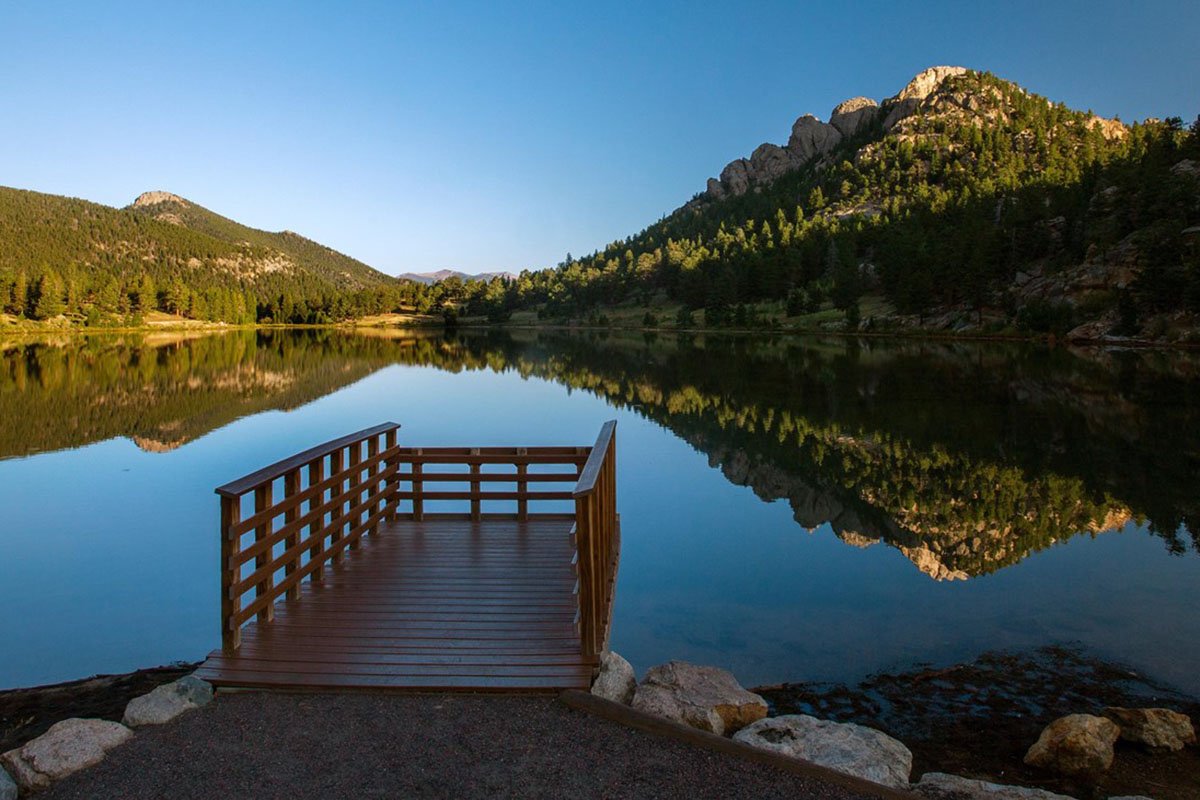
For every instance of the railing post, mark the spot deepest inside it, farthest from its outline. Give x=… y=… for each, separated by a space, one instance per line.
x=337 y=521
x=583 y=537
x=418 y=487
x=522 y=487
x=356 y=484
x=316 y=475
x=475 y=503
x=231 y=514
x=291 y=487
x=262 y=502
x=389 y=500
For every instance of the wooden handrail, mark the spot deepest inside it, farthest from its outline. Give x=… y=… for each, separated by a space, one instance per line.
x=597 y=541
x=473 y=482
x=279 y=468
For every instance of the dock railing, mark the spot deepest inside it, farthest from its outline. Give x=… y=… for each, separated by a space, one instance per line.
x=309 y=509
x=597 y=541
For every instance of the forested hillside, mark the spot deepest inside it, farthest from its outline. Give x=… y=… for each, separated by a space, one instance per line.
x=99 y=265
x=963 y=202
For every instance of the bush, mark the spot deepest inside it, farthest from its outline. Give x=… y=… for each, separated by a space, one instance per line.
x=1044 y=316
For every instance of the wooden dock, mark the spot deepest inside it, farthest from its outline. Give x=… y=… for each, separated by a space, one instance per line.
x=351 y=581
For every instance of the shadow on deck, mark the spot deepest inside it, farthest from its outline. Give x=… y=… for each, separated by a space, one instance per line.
x=348 y=582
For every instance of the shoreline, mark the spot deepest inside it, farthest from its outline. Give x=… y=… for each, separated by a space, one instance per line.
x=973 y=719
x=36 y=331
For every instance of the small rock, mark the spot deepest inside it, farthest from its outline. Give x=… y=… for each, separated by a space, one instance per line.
x=1077 y=744
x=616 y=681
x=842 y=746
x=707 y=698
x=67 y=747
x=167 y=702
x=194 y=689
x=1131 y=797
x=1157 y=727
x=940 y=786
x=8 y=787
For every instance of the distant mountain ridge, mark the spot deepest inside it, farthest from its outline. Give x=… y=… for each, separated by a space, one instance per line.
x=75 y=261
x=430 y=278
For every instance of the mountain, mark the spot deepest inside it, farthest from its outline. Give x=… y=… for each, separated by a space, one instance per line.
x=430 y=278
x=68 y=259
x=294 y=252
x=963 y=202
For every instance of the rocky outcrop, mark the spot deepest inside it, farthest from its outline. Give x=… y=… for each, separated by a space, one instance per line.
x=769 y=161
x=811 y=138
x=1077 y=744
x=616 y=681
x=155 y=198
x=167 y=702
x=1155 y=727
x=69 y=746
x=940 y=786
x=845 y=747
x=707 y=698
x=854 y=115
x=920 y=87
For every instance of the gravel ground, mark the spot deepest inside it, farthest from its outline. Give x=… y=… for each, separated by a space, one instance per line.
x=363 y=745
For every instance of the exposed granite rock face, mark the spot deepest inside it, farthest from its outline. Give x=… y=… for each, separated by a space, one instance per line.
x=736 y=177
x=707 y=698
x=769 y=161
x=154 y=198
x=811 y=138
x=69 y=746
x=616 y=681
x=940 y=786
x=842 y=746
x=1156 y=727
x=1077 y=744
x=167 y=702
x=917 y=90
x=853 y=115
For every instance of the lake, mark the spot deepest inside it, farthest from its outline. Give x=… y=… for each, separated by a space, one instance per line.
x=792 y=508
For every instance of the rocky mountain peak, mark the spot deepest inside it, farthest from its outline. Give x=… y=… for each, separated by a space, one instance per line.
x=811 y=138
x=924 y=84
x=155 y=198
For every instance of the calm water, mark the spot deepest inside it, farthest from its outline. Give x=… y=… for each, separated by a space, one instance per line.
x=792 y=509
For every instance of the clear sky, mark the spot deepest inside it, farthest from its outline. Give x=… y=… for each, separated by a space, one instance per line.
x=488 y=135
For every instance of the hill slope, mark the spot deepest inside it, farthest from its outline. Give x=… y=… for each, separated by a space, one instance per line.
x=163 y=253
x=964 y=201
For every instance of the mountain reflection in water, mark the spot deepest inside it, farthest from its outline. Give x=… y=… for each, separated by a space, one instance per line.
x=964 y=457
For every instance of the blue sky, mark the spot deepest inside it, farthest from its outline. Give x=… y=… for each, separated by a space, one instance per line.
x=488 y=136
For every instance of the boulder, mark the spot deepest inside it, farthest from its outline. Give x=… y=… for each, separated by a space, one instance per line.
x=616 y=681
x=707 y=698
x=67 y=747
x=811 y=138
x=842 y=746
x=8 y=787
x=1131 y=797
x=853 y=115
x=1156 y=727
x=167 y=702
x=1077 y=744
x=940 y=786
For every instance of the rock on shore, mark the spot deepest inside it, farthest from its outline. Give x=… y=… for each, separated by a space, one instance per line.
x=1156 y=727
x=1077 y=744
x=707 y=698
x=843 y=746
x=67 y=747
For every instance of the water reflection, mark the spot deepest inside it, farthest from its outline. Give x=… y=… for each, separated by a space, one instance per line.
x=964 y=457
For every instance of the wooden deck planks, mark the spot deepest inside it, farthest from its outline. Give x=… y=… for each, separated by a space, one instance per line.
x=439 y=604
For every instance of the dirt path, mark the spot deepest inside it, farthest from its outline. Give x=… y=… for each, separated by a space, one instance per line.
x=299 y=746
